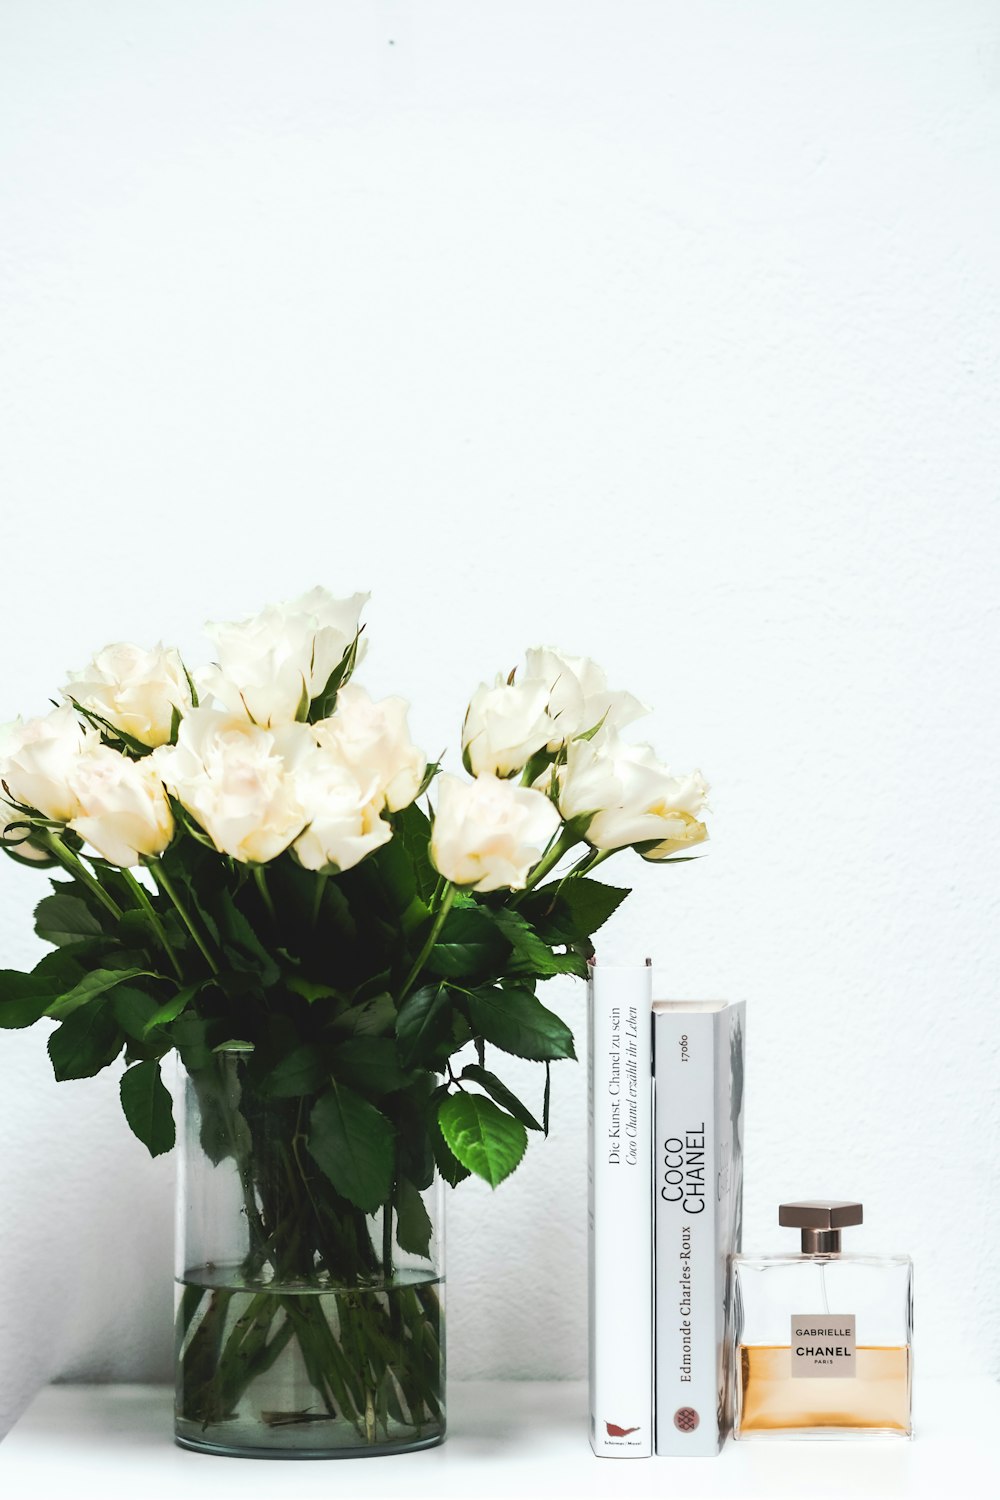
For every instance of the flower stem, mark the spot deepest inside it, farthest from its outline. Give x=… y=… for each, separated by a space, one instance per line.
x=387 y=1238
x=260 y=878
x=154 y=921
x=318 y=890
x=563 y=843
x=78 y=869
x=166 y=884
x=432 y=937
x=591 y=861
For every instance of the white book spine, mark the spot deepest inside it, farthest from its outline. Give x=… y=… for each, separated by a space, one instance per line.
x=620 y=1211
x=686 y=1233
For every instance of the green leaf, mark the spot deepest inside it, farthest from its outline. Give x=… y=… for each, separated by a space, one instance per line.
x=242 y=942
x=588 y=734
x=23 y=999
x=370 y=1063
x=354 y=1145
x=470 y=945
x=171 y=1009
x=86 y=1042
x=90 y=986
x=499 y=1092
x=413 y=827
x=133 y=1010
x=62 y=968
x=335 y=918
x=422 y=1024
x=310 y=989
x=570 y=911
x=413 y=1224
x=325 y=702
x=224 y=1131
x=389 y=883
x=531 y=956
x=191 y=687
x=482 y=1137
x=301 y=1072
x=111 y=732
x=189 y=1035
x=412 y=1114
x=372 y=1017
x=448 y=1165
x=147 y=1107
x=63 y=919
x=515 y=1021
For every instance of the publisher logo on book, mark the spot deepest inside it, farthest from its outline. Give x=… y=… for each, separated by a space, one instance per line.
x=614 y=1431
x=686 y=1419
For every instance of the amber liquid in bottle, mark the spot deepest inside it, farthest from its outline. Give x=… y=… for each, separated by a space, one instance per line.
x=876 y=1399
x=847 y=1372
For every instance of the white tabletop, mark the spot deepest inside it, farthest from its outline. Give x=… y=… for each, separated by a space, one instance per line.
x=506 y=1439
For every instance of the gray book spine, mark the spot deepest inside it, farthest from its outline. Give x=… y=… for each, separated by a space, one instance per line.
x=698 y=1101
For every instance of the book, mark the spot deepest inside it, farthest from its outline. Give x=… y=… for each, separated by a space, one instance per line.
x=620 y=1220
x=698 y=1070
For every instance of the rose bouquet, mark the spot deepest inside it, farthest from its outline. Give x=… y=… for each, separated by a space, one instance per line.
x=245 y=877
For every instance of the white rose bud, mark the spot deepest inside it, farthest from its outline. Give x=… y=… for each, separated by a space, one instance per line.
x=579 y=698
x=124 y=813
x=344 y=813
x=629 y=798
x=372 y=740
x=37 y=759
x=267 y=664
x=504 y=726
x=238 y=781
x=134 y=690
x=488 y=833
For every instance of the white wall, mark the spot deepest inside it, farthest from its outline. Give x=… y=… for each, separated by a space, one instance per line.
x=665 y=332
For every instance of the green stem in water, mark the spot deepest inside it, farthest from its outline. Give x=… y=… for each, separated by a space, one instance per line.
x=387 y=1237
x=164 y=882
x=153 y=918
x=432 y=937
x=78 y=869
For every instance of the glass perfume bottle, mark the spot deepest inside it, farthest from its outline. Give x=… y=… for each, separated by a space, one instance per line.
x=823 y=1340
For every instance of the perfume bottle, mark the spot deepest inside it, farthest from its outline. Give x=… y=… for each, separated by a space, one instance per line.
x=823 y=1340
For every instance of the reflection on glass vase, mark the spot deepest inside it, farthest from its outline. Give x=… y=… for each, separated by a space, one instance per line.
x=304 y=1326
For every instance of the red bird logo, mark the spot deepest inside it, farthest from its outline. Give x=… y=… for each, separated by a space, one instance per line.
x=615 y=1431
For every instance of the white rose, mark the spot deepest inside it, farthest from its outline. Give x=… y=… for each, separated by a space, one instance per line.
x=37 y=758
x=344 y=813
x=504 y=726
x=372 y=740
x=124 y=813
x=135 y=690
x=628 y=797
x=267 y=664
x=488 y=833
x=579 y=698
x=237 y=780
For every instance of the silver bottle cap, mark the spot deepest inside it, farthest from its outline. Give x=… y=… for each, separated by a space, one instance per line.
x=820 y=1220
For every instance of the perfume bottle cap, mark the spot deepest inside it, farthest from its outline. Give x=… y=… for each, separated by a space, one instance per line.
x=820 y=1220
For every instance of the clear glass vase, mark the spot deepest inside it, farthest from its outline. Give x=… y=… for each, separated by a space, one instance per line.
x=303 y=1330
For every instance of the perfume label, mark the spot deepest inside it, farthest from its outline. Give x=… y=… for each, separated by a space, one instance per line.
x=823 y=1345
